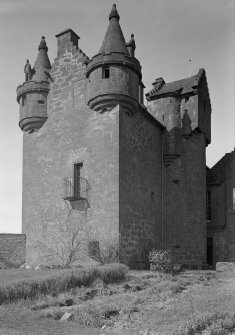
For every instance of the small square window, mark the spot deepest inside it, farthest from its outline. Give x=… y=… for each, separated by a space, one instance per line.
x=106 y=72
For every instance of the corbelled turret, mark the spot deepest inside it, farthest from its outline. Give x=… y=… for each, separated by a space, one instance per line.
x=32 y=94
x=114 y=74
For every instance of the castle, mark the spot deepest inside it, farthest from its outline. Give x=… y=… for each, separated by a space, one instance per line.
x=90 y=141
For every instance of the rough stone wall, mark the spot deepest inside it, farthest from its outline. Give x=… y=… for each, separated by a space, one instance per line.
x=204 y=110
x=184 y=199
x=218 y=206
x=223 y=213
x=140 y=187
x=32 y=107
x=165 y=111
x=122 y=81
x=72 y=134
x=184 y=202
x=230 y=211
x=12 y=250
x=219 y=246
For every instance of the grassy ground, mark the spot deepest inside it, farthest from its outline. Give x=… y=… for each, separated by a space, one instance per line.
x=144 y=303
x=10 y=276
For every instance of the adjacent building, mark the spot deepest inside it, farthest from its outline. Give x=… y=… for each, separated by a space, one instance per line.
x=221 y=210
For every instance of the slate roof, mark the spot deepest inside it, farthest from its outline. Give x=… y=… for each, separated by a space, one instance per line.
x=114 y=40
x=223 y=162
x=215 y=175
x=183 y=86
x=42 y=63
x=113 y=49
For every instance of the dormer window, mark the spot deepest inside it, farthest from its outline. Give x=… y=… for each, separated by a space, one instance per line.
x=105 y=72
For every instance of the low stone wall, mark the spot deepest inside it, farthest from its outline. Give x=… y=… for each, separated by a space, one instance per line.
x=12 y=250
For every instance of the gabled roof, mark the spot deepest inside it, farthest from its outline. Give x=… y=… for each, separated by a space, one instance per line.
x=183 y=86
x=215 y=175
x=224 y=161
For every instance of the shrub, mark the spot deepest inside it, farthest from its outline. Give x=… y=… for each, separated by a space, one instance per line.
x=161 y=260
x=105 y=254
x=91 y=315
x=215 y=324
x=62 y=283
x=55 y=314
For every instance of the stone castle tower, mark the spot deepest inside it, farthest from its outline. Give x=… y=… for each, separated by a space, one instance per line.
x=89 y=141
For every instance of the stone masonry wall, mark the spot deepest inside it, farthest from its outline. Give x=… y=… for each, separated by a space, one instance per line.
x=72 y=134
x=230 y=211
x=223 y=213
x=219 y=246
x=12 y=250
x=121 y=81
x=188 y=130
x=184 y=203
x=140 y=187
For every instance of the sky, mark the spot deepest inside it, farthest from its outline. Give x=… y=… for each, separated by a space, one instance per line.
x=168 y=33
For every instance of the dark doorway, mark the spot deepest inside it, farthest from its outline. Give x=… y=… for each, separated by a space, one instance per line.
x=210 y=250
x=77 y=179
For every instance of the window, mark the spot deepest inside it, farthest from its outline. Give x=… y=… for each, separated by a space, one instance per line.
x=41 y=102
x=106 y=72
x=93 y=248
x=152 y=196
x=77 y=179
x=186 y=99
x=208 y=206
x=23 y=100
x=233 y=198
x=210 y=250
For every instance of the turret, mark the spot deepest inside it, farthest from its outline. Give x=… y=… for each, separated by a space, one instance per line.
x=114 y=74
x=183 y=107
x=32 y=94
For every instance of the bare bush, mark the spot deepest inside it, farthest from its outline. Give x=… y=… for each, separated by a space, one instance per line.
x=64 y=236
x=106 y=253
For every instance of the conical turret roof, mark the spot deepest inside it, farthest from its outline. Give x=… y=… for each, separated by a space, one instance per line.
x=42 y=64
x=114 y=40
x=113 y=49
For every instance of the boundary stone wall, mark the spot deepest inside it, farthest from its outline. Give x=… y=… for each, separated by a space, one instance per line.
x=12 y=250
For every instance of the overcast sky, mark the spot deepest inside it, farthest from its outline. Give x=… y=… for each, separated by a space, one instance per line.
x=167 y=33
